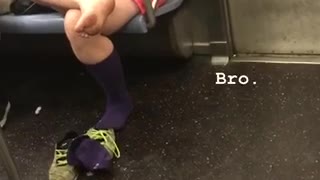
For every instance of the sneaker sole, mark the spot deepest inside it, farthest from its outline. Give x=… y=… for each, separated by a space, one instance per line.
x=5 y=116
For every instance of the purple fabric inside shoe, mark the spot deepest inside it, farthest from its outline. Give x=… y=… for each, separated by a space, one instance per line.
x=89 y=154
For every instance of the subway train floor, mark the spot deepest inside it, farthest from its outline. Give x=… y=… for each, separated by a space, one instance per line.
x=184 y=125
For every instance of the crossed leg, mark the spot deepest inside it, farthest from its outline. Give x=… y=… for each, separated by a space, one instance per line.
x=96 y=48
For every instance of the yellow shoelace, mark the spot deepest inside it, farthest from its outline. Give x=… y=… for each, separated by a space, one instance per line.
x=108 y=140
x=59 y=155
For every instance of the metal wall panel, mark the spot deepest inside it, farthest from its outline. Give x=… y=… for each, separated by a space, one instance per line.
x=275 y=26
x=208 y=29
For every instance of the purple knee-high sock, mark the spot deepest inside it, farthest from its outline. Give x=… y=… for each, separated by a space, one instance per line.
x=88 y=153
x=109 y=74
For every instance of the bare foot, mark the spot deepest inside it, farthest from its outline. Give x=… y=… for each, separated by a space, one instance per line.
x=93 y=15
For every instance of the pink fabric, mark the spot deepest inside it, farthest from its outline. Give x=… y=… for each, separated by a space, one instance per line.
x=141 y=6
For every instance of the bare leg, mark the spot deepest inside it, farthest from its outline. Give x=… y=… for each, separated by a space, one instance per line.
x=88 y=50
x=93 y=15
x=123 y=12
x=93 y=12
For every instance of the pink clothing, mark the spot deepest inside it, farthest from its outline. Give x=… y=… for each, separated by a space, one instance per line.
x=141 y=5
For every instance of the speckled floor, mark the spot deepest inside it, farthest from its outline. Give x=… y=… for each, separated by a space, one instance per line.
x=184 y=127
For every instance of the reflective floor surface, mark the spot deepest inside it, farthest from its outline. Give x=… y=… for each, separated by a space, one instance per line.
x=184 y=126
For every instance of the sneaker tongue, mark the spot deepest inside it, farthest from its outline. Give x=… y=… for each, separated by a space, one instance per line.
x=64 y=143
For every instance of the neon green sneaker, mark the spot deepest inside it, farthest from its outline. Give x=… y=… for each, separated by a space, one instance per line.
x=106 y=139
x=60 y=169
